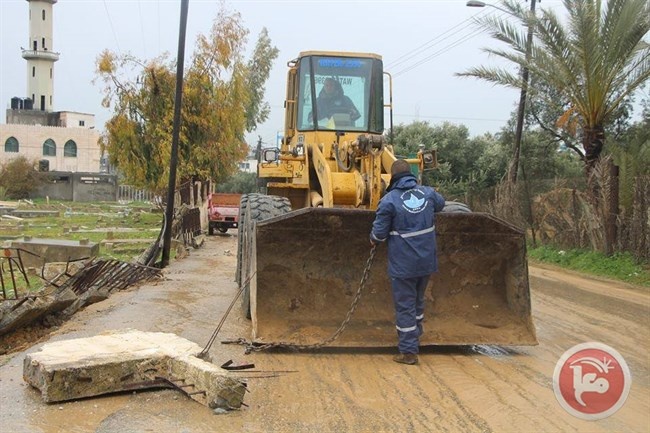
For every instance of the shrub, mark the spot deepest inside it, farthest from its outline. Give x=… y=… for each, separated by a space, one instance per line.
x=18 y=178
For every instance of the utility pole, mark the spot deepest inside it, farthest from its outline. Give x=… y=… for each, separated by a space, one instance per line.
x=258 y=149
x=514 y=167
x=514 y=164
x=173 y=159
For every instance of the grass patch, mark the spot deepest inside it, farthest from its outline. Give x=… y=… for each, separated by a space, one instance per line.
x=98 y=222
x=619 y=266
x=128 y=229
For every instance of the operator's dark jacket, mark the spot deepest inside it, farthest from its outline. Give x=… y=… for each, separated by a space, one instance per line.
x=406 y=218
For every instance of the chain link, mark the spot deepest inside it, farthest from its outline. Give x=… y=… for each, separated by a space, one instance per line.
x=252 y=347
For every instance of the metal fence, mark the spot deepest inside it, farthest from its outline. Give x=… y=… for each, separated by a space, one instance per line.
x=129 y=193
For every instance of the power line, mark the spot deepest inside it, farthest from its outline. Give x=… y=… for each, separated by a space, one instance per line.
x=110 y=21
x=429 y=44
x=443 y=50
x=462 y=39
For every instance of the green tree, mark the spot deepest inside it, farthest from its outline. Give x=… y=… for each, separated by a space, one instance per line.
x=18 y=178
x=545 y=107
x=222 y=99
x=459 y=156
x=595 y=59
x=457 y=153
x=240 y=182
x=631 y=152
x=259 y=67
x=544 y=154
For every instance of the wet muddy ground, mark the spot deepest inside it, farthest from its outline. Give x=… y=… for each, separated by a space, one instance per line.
x=454 y=389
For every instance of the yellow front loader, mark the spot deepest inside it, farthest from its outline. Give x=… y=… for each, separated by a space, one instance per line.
x=303 y=246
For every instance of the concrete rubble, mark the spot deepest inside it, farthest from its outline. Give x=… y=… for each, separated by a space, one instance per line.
x=90 y=287
x=129 y=360
x=15 y=314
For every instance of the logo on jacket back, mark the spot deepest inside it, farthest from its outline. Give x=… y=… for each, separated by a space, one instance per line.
x=413 y=201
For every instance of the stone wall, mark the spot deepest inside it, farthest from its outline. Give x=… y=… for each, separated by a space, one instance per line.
x=81 y=187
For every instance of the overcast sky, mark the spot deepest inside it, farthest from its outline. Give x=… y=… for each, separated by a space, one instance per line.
x=423 y=43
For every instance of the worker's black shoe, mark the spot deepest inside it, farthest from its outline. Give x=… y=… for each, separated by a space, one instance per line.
x=406 y=358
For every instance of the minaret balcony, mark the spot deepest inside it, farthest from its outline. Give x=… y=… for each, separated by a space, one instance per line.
x=40 y=55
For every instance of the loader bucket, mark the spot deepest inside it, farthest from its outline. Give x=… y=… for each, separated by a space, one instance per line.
x=310 y=262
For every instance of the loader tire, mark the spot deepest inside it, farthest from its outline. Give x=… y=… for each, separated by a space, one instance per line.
x=456 y=207
x=259 y=207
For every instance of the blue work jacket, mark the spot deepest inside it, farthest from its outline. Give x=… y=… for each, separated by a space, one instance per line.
x=406 y=219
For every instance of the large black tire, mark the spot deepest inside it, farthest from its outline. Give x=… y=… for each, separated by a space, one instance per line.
x=456 y=207
x=259 y=207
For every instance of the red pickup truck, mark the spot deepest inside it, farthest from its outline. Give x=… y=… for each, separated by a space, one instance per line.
x=223 y=212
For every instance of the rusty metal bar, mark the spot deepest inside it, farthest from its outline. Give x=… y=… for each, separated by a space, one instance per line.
x=13 y=259
x=110 y=274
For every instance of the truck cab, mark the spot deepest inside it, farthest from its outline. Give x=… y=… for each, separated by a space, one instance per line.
x=223 y=212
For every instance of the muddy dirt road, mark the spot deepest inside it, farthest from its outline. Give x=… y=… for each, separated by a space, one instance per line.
x=468 y=389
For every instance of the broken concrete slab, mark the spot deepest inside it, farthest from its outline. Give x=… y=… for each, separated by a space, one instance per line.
x=128 y=360
x=21 y=312
x=90 y=296
x=54 y=250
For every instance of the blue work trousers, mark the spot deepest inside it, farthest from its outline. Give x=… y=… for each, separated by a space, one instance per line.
x=408 y=296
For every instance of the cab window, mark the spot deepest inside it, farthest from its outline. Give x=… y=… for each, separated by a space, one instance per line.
x=335 y=93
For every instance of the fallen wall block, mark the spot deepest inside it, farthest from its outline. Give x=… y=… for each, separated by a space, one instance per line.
x=22 y=312
x=129 y=360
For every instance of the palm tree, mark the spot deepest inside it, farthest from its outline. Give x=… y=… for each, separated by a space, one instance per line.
x=595 y=59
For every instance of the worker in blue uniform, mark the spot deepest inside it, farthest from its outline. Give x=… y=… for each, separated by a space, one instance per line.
x=405 y=219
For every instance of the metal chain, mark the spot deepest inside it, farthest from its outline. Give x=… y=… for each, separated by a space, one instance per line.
x=252 y=347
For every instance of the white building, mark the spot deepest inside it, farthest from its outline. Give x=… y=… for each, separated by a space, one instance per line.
x=249 y=165
x=59 y=140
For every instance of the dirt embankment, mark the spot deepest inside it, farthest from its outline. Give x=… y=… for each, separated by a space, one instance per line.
x=468 y=389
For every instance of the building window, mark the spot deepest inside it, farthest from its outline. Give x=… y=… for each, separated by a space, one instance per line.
x=43 y=14
x=70 y=148
x=35 y=45
x=33 y=71
x=11 y=145
x=50 y=72
x=50 y=100
x=49 y=147
x=82 y=123
x=43 y=43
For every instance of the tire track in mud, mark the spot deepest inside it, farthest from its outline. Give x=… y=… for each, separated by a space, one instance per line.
x=422 y=382
x=620 y=333
x=620 y=320
x=505 y=371
x=467 y=417
x=402 y=385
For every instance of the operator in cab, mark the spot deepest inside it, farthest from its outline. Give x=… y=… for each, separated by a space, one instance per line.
x=331 y=100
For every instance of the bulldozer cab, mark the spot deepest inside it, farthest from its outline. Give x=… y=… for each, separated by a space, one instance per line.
x=337 y=92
